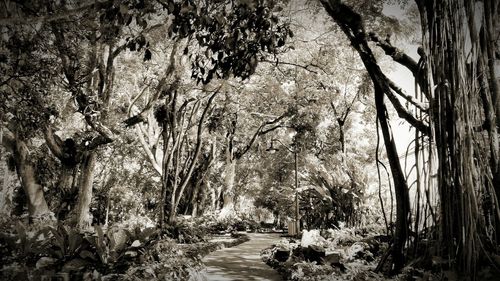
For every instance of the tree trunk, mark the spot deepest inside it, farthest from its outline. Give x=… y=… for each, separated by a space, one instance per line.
x=453 y=51
x=7 y=177
x=229 y=176
x=84 y=219
x=201 y=205
x=69 y=188
x=400 y=185
x=351 y=24
x=37 y=206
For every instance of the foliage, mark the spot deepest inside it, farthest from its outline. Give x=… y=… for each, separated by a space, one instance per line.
x=64 y=249
x=232 y=224
x=231 y=35
x=351 y=256
x=184 y=232
x=277 y=200
x=337 y=193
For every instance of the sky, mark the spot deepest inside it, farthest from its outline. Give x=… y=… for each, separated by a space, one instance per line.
x=404 y=78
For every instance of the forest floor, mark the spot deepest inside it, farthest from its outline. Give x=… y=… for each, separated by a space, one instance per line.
x=242 y=262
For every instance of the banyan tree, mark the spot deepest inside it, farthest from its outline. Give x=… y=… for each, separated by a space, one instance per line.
x=455 y=116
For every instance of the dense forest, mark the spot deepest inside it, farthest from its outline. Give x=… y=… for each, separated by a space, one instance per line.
x=136 y=135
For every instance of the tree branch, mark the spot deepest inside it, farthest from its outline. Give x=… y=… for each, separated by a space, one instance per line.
x=406 y=115
x=395 y=53
x=408 y=98
x=306 y=67
x=53 y=17
x=159 y=89
x=258 y=133
x=198 y=146
x=53 y=142
x=147 y=150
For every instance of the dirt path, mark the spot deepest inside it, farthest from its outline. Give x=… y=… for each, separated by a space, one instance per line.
x=242 y=262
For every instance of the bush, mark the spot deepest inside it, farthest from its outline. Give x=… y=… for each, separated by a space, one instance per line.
x=233 y=224
x=184 y=232
x=64 y=249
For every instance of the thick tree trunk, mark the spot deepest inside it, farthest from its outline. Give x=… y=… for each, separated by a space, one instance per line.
x=84 y=219
x=68 y=184
x=7 y=177
x=229 y=176
x=37 y=205
x=457 y=56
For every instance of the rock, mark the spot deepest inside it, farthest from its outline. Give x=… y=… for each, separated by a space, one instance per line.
x=44 y=262
x=333 y=260
x=281 y=254
x=314 y=253
x=136 y=244
x=130 y=254
x=360 y=250
x=312 y=238
x=120 y=237
x=298 y=253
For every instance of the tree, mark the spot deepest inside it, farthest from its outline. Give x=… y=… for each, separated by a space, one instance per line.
x=449 y=124
x=465 y=127
x=81 y=63
x=351 y=24
x=234 y=152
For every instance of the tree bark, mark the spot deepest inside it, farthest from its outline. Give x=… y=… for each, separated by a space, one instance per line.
x=7 y=177
x=37 y=205
x=229 y=177
x=84 y=219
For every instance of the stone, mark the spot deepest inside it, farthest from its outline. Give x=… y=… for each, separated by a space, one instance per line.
x=130 y=254
x=281 y=254
x=314 y=253
x=312 y=237
x=120 y=237
x=333 y=260
x=136 y=244
x=360 y=250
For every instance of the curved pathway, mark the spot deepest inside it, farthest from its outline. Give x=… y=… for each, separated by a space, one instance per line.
x=242 y=262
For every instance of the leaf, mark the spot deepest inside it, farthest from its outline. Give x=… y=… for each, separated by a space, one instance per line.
x=74 y=240
x=58 y=240
x=87 y=254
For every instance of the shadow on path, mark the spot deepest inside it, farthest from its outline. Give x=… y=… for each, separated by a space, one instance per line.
x=242 y=262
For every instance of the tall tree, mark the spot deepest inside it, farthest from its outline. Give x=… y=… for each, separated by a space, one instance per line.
x=465 y=125
x=351 y=23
